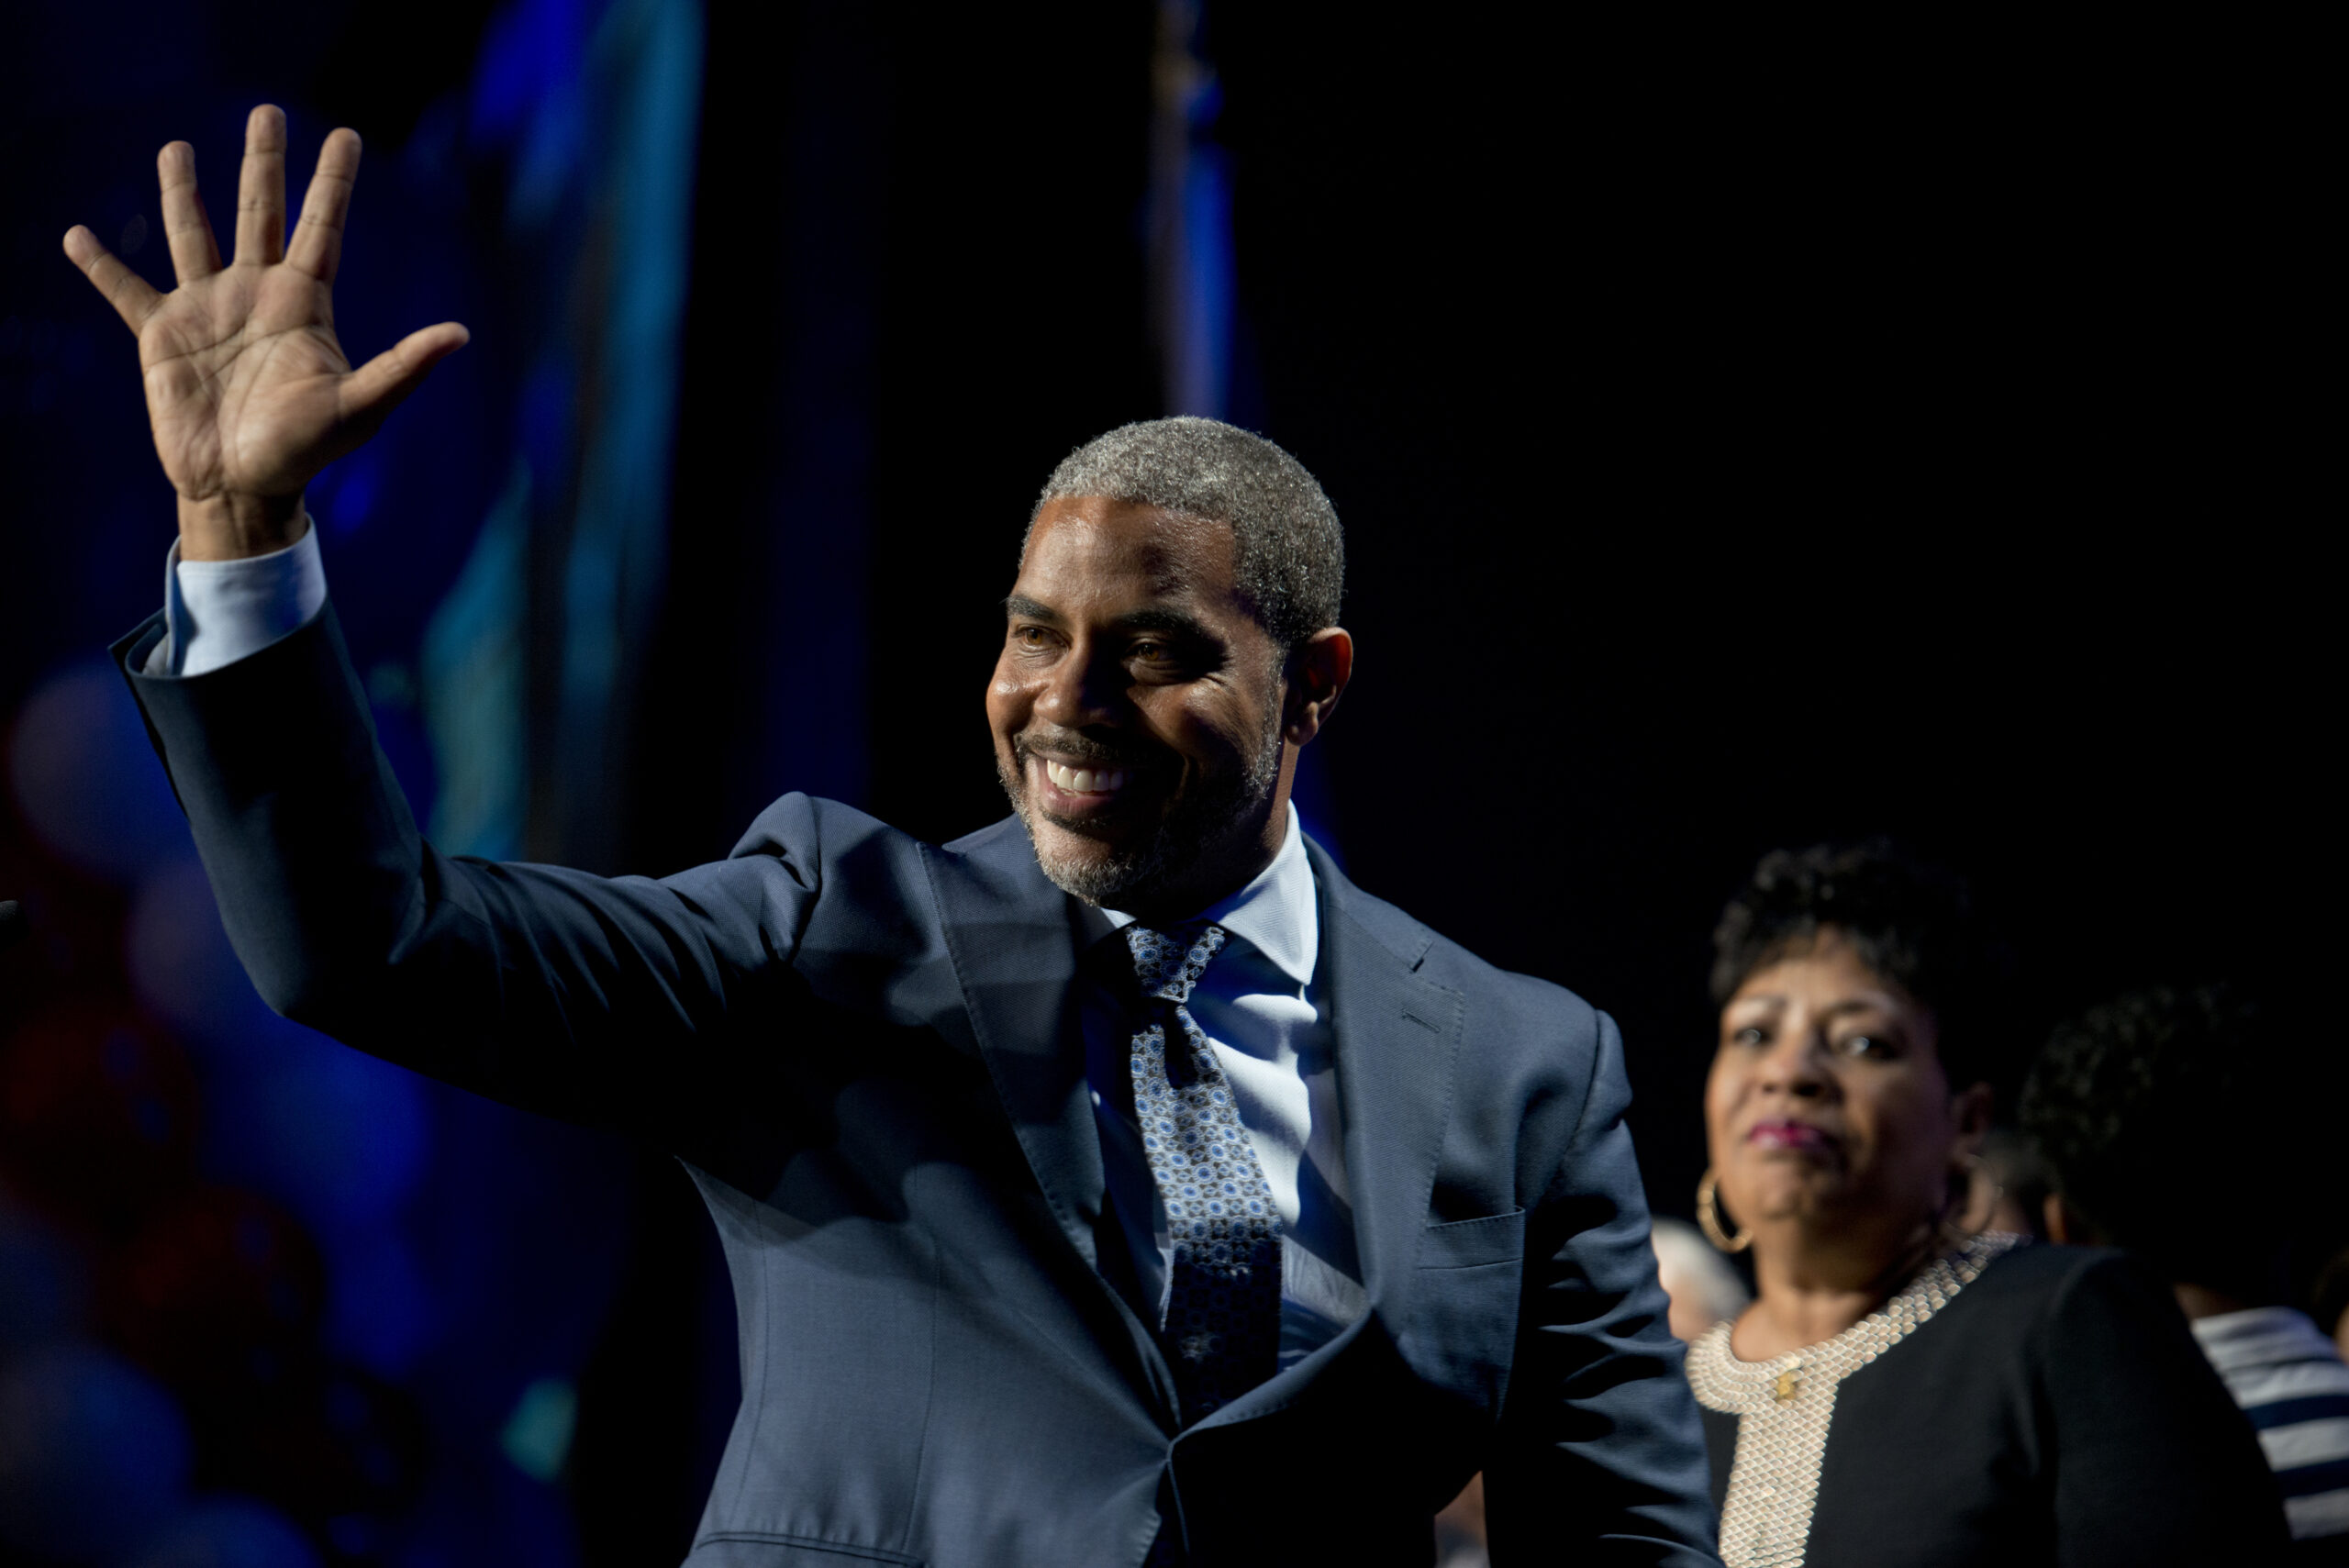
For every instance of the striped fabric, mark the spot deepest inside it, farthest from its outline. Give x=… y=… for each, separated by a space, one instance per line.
x=2289 y=1379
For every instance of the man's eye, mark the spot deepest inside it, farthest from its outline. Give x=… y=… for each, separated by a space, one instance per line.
x=1868 y=1045
x=1029 y=637
x=1750 y=1036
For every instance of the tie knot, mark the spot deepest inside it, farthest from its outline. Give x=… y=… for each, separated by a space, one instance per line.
x=1169 y=966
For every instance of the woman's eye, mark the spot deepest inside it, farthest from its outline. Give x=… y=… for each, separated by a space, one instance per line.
x=1867 y=1045
x=1750 y=1035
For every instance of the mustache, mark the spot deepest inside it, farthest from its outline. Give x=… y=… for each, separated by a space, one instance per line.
x=1069 y=746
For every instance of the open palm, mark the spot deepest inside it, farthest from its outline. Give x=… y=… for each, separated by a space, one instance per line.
x=247 y=390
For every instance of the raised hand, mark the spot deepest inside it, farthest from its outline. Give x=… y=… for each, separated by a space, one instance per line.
x=247 y=389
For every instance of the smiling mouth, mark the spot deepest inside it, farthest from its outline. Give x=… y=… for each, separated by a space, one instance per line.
x=1087 y=795
x=1104 y=783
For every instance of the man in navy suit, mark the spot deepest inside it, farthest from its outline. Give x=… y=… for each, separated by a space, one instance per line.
x=1117 y=1184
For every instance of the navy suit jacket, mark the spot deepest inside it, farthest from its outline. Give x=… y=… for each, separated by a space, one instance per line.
x=865 y=1050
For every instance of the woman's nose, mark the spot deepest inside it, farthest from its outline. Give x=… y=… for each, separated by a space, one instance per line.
x=1795 y=1065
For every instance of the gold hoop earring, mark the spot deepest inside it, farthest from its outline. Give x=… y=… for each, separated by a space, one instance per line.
x=1975 y=1170
x=1709 y=1216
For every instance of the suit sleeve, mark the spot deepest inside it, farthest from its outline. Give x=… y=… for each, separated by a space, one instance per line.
x=2154 y=1461
x=1600 y=1437
x=594 y=1000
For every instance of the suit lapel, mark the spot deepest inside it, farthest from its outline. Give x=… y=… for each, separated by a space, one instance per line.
x=1014 y=949
x=1397 y=1035
x=1011 y=936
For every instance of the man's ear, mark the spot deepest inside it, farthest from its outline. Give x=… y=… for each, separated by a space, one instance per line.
x=1318 y=673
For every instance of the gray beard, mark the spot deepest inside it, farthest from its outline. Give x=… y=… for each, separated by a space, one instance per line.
x=1164 y=855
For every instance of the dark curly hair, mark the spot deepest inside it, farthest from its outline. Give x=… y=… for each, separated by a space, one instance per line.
x=2160 y=1113
x=1911 y=921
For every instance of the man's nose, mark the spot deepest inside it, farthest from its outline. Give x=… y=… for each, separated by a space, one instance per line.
x=1086 y=688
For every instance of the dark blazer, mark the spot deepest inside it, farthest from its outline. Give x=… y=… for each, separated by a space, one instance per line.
x=2055 y=1415
x=864 y=1048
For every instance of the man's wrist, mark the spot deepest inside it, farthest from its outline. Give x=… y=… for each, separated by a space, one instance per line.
x=232 y=528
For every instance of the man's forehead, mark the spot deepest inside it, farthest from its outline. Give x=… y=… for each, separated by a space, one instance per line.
x=1092 y=548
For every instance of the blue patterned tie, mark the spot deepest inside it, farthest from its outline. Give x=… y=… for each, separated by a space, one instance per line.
x=1223 y=1303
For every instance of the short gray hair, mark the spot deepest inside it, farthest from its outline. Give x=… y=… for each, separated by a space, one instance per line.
x=1290 y=556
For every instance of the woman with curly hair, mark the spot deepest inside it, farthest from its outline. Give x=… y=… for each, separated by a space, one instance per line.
x=1908 y=1387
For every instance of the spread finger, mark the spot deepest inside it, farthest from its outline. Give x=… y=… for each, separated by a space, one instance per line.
x=186 y=227
x=260 y=189
x=133 y=298
x=316 y=247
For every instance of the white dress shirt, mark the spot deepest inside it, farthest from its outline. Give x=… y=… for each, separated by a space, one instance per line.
x=1268 y=1025
x=1267 y=1022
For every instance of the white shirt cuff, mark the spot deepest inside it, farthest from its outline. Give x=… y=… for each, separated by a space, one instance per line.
x=216 y=612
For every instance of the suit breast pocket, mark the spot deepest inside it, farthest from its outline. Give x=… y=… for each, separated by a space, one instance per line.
x=1462 y=1330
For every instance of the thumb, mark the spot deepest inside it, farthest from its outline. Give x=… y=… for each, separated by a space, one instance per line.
x=375 y=388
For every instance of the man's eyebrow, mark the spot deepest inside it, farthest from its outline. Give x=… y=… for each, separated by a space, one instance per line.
x=1169 y=623
x=1028 y=609
x=1172 y=622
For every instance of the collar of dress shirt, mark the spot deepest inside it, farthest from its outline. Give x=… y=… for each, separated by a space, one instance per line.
x=1275 y=914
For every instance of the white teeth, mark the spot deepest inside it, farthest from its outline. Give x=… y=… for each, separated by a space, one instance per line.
x=1087 y=781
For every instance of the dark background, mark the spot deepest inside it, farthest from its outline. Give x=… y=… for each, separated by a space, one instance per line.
x=1741 y=441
